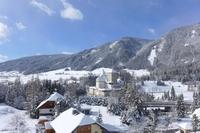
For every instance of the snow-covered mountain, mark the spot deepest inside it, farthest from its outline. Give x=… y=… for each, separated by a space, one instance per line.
x=179 y=47
x=112 y=55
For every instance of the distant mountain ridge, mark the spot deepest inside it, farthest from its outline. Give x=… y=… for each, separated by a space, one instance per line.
x=178 y=48
x=112 y=55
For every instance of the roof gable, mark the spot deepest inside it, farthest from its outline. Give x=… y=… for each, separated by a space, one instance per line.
x=55 y=97
x=67 y=122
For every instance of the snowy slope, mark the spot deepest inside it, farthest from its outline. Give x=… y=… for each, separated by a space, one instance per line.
x=152 y=55
x=99 y=71
x=151 y=87
x=51 y=75
x=138 y=73
x=61 y=74
x=7 y=116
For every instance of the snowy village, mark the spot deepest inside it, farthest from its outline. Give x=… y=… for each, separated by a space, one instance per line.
x=99 y=66
x=101 y=101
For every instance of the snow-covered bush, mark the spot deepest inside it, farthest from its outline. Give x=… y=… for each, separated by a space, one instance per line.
x=130 y=116
x=97 y=101
x=99 y=118
x=116 y=108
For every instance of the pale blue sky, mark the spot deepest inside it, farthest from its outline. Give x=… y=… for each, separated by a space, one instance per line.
x=30 y=27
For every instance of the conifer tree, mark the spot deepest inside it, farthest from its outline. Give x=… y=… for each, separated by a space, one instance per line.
x=99 y=118
x=195 y=101
x=180 y=107
x=195 y=123
x=173 y=94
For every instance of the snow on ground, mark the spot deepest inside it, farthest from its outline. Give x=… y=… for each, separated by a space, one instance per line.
x=184 y=123
x=152 y=55
x=99 y=60
x=193 y=33
x=61 y=73
x=161 y=45
x=54 y=75
x=186 y=44
x=113 y=44
x=99 y=71
x=7 y=116
x=152 y=88
x=121 y=64
x=9 y=76
x=110 y=121
x=93 y=51
x=138 y=73
x=196 y=112
x=186 y=62
x=50 y=75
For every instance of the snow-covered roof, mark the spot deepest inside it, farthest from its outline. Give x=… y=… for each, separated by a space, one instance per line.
x=67 y=122
x=56 y=97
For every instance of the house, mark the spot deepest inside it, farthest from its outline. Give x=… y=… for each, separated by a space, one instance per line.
x=47 y=112
x=111 y=76
x=47 y=107
x=73 y=121
x=106 y=83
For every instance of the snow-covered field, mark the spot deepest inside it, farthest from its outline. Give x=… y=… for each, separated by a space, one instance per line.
x=9 y=117
x=157 y=91
x=51 y=75
x=138 y=73
x=60 y=74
